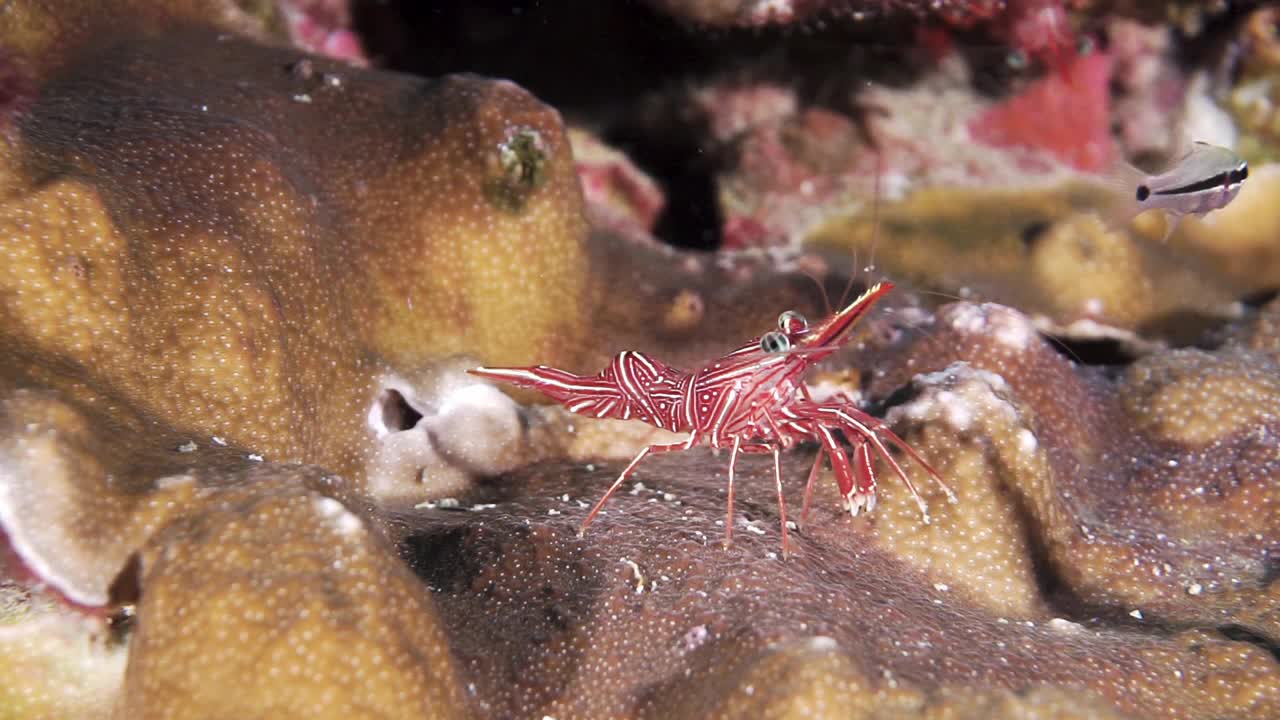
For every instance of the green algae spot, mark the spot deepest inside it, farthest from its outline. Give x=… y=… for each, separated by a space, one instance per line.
x=521 y=170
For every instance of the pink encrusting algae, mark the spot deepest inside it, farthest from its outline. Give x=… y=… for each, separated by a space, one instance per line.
x=1066 y=114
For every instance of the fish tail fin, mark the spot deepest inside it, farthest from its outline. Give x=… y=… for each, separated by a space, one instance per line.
x=1170 y=225
x=1124 y=184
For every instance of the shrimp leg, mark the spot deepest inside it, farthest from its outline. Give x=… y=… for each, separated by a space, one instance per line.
x=808 y=486
x=728 y=518
x=693 y=438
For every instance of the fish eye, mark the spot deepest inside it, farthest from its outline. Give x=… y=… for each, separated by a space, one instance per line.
x=792 y=323
x=1144 y=192
x=774 y=342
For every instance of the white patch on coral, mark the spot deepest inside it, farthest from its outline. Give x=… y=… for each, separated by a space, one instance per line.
x=695 y=637
x=174 y=481
x=345 y=521
x=958 y=410
x=1027 y=442
x=967 y=318
x=475 y=426
x=958 y=395
x=635 y=570
x=1012 y=330
x=1006 y=326
x=19 y=505
x=1066 y=627
x=468 y=427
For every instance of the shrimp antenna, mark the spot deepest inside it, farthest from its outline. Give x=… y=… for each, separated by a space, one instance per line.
x=1054 y=339
x=875 y=227
x=822 y=290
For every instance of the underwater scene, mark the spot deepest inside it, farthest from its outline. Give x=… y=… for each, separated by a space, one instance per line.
x=564 y=359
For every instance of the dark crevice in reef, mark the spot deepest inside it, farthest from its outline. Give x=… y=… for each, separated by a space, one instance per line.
x=439 y=558
x=639 y=61
x=539 y=45
x=686 y=171
x=1092 y=352
x=1235 y=632
x=1213 y=44
x=397 y=413
x=1259 y=298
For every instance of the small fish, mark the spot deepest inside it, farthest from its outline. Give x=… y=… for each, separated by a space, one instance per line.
x=1205 y=179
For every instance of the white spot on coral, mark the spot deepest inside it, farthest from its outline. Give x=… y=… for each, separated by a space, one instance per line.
x=1195 y=589
x=1012 y=330
x=1027 y=442
x=173 y=481
x=968 y=318
x=635 y=569
x=343 y=519
x=475 y=427
x=962 y=394
x=823 y=643
x=187 y=447
x=1065 y=626
x=693 y=639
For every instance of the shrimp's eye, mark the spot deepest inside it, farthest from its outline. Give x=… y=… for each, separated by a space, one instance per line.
x=792 y=323
x=774 y=342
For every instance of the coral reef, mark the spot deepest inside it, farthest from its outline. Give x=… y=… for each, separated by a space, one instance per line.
x=253 y=304
x=243 y=470
x=1254 y=98
x=618 y=195
x=1066 y=114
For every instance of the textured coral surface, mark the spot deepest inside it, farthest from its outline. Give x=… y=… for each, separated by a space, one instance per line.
x=243 y=472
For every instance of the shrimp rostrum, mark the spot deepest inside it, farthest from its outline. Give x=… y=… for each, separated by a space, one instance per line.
x=752 y=400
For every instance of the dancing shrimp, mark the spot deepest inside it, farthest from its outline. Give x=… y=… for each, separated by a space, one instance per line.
x=752 y=400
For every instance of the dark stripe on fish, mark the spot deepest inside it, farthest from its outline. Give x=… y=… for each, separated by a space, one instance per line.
x=1217 y=181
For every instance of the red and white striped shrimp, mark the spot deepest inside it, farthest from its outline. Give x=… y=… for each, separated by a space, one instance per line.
x=752 y=400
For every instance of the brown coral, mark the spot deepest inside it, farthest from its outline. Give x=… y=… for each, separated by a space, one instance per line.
x=265 y=301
